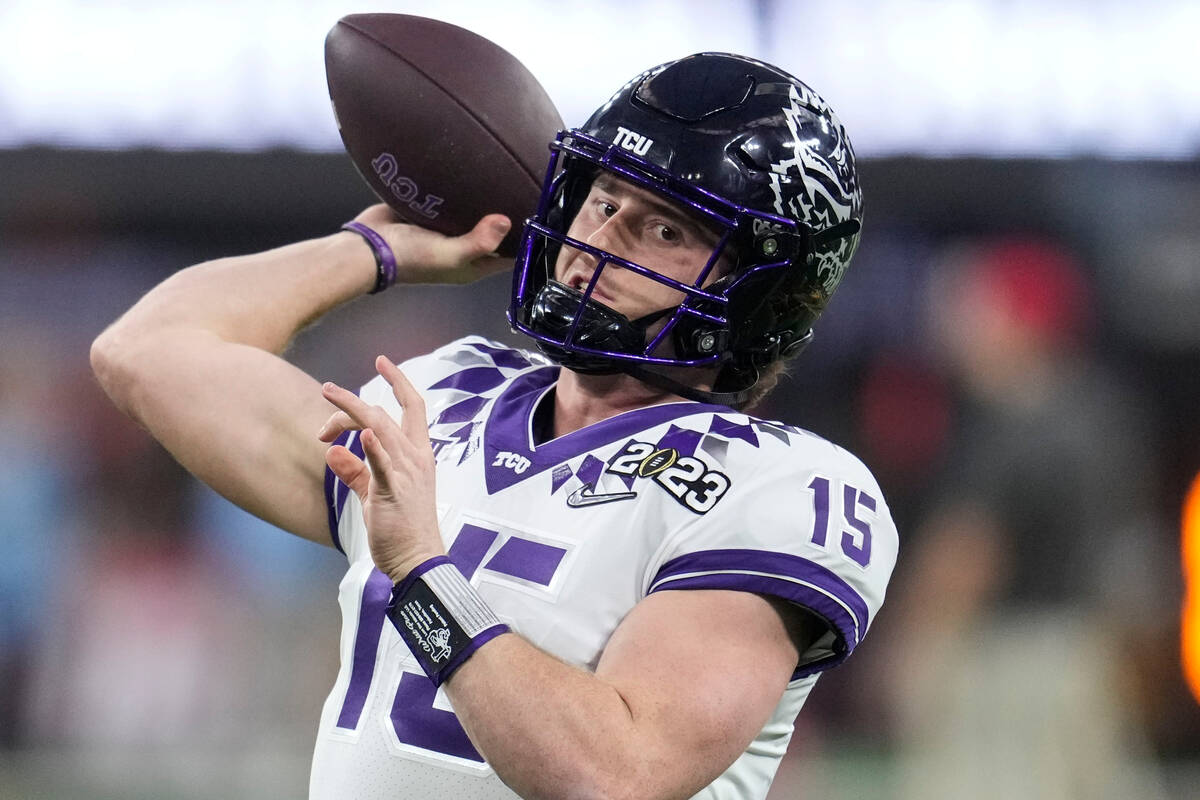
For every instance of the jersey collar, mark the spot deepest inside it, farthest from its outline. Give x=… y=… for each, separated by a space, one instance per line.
x=509 y=429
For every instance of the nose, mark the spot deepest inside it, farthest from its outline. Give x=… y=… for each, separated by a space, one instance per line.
x=605 y=233
x=611 y=236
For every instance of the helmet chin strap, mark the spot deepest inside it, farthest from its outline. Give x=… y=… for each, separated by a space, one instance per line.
x=687 y=391
x=553 y=294
x=668 y=384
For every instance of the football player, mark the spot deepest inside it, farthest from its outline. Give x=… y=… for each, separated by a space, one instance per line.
x=580 y=571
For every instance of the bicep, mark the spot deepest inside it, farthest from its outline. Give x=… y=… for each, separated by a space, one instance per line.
x=701 y=671
x=242 y=420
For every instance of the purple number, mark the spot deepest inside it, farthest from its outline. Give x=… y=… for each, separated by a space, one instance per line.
x=415 y=720
x=419 y=724
x=856 y=547
x=820 y=487
x=376 y=592
x=857 y=551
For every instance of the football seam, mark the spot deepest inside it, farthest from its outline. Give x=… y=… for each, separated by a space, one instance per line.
x=491 y=133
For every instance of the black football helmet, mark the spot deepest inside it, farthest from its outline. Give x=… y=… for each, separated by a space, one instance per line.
x=750 y=150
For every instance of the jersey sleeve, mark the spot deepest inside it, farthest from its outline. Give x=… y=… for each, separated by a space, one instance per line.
x=808 y=526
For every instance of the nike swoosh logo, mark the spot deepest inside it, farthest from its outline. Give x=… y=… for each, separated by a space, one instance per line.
x=584 y=496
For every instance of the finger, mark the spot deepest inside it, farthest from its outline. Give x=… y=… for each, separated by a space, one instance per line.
x=379 y=459
x=336 y=425
x=472 y=255
x=349 y=469
x=413 y=424
x=363 y=414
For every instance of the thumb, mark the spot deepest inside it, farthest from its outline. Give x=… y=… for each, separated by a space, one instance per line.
x=350 y=469
x=486 y=236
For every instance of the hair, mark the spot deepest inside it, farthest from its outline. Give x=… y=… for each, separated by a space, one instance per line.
x=768 y=379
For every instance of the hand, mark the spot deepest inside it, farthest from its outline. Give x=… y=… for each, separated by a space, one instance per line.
x=398 y=492
x=424 y=256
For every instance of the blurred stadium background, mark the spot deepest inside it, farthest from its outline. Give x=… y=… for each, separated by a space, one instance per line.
x=1016 y=353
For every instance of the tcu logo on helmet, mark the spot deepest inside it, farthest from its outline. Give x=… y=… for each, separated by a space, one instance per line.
x=633 y=141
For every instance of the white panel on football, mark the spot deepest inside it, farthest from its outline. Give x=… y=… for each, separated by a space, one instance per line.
x=985 y=77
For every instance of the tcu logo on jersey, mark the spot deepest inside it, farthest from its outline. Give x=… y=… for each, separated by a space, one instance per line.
x=633 y=141
x=514 y=461
x=404 y=188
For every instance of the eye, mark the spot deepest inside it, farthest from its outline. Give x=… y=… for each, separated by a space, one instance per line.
x=606 y=208
x=666 y=233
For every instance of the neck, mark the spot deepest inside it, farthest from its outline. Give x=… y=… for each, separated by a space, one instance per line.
x=582 y=400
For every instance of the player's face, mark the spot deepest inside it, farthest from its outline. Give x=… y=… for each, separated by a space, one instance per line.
x=641 y=227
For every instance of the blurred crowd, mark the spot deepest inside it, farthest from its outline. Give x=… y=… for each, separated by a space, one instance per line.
x=155 y=641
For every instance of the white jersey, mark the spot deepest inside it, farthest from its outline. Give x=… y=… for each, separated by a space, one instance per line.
x=563 y=538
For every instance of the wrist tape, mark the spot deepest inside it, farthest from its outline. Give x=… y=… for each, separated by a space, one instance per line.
x=385 y=259
x=441 y=617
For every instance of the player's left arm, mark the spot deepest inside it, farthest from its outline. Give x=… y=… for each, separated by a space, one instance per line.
x=684 y=685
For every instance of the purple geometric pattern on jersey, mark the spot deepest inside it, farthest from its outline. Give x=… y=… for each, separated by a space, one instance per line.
x=466 y=435
x=376 y=592
x=467 y=358
x=432 y=729
x=462 y=411
x=716 y=447
x=778 y=431
x=732 y=430
x=522 y=558
x=502 y=356
x=682 y=440
x=475 y=380
x=782 y=575
x=509 y=425
x=469 y=548
x=560 y=475
x=589 y=471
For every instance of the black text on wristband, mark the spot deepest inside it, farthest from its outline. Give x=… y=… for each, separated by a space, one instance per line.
x=441 y=617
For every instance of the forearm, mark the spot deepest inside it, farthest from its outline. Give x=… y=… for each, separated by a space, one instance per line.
x=555 y=731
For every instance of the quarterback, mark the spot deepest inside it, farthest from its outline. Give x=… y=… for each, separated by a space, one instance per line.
x=580 y=570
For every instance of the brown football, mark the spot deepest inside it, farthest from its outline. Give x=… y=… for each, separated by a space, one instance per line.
x=443 y=124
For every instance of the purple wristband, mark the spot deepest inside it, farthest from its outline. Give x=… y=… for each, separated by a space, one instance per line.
x=441 y=617
x=385 y=259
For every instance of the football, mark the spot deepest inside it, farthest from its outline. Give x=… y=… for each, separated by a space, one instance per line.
x=444 y=125
x=657 y=461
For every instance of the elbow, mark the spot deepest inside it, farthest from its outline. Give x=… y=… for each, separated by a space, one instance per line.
x=115 y=365
x=623 y=787
x=590 y=781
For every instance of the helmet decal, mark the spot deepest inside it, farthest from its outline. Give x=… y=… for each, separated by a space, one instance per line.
x=827 y=192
